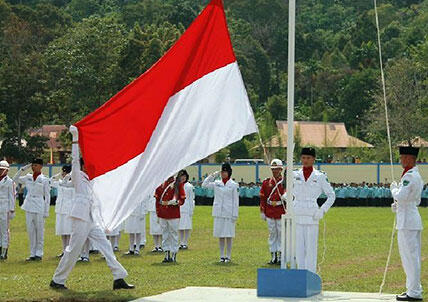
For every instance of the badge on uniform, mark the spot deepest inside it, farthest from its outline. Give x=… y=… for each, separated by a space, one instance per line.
x=405 y=183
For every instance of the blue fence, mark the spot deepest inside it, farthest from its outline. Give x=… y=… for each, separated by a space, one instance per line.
x=376 y=173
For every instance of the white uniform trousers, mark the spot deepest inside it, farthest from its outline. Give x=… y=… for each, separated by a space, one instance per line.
x=409 y=245
x=169 y=234
x=35 y=230
x=4 y=230
x=82 y=230
x=307 y=246
x=274 y=226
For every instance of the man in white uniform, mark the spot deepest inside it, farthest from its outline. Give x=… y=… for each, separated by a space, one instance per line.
x=7 y=207
x=407 y=195
x=36 y=205
x=309 y=184
x=84 y=227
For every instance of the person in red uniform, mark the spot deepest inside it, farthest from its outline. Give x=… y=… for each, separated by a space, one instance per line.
x=169 y=197
x=272 y=208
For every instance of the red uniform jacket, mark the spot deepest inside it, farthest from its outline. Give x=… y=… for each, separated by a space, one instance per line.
x=169 y=211
x=273 y=209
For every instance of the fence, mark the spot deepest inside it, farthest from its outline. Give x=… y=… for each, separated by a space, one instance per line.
x=337 y=172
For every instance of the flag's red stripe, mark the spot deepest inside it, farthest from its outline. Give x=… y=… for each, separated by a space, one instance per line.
x=120 y=129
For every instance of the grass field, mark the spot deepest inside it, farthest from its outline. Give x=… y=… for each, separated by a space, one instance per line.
x=357 y=244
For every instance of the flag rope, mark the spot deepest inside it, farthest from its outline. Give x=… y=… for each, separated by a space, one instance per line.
x=391 y=245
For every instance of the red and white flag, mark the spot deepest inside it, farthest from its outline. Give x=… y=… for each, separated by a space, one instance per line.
x=188 y=105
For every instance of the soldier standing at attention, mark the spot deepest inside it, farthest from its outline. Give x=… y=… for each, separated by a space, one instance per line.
x=407 y=195
x=36 y=205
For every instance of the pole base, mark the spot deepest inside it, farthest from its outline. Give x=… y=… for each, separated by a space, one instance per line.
x=290 y=283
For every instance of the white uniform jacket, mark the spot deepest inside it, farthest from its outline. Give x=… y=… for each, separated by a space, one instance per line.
x=226 y=197
x=408 y=195
x=7 y=195
x=83 y=201
x=189 y=205
x=306 y=194
x=38 y=196
x=65 y=197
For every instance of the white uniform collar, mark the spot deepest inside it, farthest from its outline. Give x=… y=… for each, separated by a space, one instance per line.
x=302 y=176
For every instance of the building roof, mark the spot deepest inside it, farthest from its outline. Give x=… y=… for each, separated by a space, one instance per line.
x=52 y=132
x=318 y=134
x=416 y=142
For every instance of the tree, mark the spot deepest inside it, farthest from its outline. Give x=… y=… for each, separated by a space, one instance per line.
x=407 y=100
x=82 y=66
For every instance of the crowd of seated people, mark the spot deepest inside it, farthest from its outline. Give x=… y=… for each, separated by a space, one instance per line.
x=347 y=194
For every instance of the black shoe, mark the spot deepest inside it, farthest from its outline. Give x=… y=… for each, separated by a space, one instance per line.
x=227 y=260
x=142 y=246
x=405 y=297
x=55 y=285
x=116 y=249
x=37 y=258
x=180 y=247
x=155 y=250
x=160 y=250
x=32 y=258
x=60 y=255
x=94 y=252
x=274 y=259
x=121 y=284
x=222 y=259
x=129 y=253
x=166 y=260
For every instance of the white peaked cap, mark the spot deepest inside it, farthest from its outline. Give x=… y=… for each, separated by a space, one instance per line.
x=276 y=163
x=4 y=165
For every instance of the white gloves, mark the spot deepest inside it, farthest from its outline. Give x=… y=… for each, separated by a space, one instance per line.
x=28 y=166
x=394 y=207
x=74 y=132
x=263 y=216
x=393 y=186
x=172 y=202
x=216 y=174
x=319 y=214
x=284 y=197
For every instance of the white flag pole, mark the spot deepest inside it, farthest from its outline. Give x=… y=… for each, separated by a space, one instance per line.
x=291 y=249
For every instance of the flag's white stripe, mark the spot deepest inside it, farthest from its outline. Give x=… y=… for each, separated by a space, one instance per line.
x=201 y=119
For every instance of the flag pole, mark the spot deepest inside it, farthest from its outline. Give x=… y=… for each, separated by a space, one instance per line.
x=288 y=241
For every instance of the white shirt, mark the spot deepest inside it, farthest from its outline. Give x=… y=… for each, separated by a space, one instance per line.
x=226 y=197
x=65 y=197
x=83 y=202
x=408 y=195
x=150 y=203
x=306 y=194
x=7 y=195
x=189 y=204
x=38 y=196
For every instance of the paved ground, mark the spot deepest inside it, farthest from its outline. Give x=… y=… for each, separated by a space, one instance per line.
x=220 y=294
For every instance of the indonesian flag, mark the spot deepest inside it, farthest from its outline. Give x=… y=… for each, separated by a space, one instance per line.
x=188 y=105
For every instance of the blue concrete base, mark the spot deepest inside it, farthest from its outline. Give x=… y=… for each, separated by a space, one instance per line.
x=289 y=283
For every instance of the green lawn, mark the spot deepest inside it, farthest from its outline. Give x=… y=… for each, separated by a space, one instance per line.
x=357 y=246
